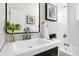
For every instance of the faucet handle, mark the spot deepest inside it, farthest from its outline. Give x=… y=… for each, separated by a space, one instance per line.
x=64 y=35
x=30 y=36
x=23 y=37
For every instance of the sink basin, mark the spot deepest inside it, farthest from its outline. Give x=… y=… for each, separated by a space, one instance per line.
x=28 y=47
x=32 y=43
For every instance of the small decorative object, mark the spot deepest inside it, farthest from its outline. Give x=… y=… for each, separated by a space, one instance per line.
x=52 y=36
x=51 y=12
x=30 y=19
x=12 y=27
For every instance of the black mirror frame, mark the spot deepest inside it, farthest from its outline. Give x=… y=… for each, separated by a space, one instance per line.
x=20 y=32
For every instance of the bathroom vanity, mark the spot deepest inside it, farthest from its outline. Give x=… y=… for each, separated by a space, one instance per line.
x=32 y=47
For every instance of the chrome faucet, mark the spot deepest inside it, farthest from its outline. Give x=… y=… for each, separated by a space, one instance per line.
x=66 y=44
x=27 y=35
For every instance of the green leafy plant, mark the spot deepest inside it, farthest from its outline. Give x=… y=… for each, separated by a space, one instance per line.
x=52 y=36
x=12 y=27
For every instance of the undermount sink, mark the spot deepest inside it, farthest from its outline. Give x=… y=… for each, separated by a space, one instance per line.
x=32 y=43
x=28 y=47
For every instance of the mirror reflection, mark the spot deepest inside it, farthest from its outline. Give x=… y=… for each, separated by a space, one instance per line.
x=25 y=14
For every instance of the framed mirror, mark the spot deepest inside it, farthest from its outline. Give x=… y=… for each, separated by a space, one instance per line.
x=25 y=14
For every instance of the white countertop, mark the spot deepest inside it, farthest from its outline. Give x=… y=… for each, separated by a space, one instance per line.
x=10 y=50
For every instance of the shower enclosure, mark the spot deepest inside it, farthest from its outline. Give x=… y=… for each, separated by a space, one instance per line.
x=68 y=29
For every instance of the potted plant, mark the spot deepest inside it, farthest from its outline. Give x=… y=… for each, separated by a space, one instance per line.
x=52 y=36
x=12 y=27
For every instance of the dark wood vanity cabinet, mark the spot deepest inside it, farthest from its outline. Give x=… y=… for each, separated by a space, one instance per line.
x=51 y=52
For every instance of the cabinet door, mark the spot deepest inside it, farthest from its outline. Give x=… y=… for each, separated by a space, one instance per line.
x=51 y=52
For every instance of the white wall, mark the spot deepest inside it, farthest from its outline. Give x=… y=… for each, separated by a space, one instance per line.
x=52 y=26
x=73 y=28
x=2 y=20
x=62 y=24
